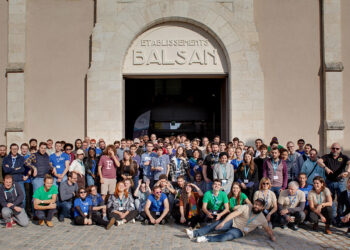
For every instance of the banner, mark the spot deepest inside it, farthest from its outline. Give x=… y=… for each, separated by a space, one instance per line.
x=142 y=124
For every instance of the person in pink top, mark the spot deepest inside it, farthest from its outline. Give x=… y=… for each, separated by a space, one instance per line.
x=107 y=169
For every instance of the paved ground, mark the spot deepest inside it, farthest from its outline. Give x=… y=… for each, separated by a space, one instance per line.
x=136 y=236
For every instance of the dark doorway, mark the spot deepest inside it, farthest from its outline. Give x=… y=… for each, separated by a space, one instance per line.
x=195 y=107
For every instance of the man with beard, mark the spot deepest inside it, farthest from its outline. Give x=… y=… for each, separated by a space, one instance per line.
x=236 y=225
x=209 y=163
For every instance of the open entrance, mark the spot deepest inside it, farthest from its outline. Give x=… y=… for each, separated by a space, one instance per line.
x=196 y=107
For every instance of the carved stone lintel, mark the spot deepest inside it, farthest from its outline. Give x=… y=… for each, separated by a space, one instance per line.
x=335 y=125
x=334 y=67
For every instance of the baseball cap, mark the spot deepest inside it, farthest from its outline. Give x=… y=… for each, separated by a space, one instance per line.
x=136 y=140
x=80 y=152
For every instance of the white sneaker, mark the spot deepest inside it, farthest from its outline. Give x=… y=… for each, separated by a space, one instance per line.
x=202 y=239
x=120 y=222
x=133 y=221
x=189 y=233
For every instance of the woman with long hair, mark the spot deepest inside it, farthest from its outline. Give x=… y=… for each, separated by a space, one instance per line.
x=320 y=202
x=238 y=160
x=128 y=167
x=231 y=154
x=236 y=197
x=189 y=205
x=90 y=163
x=179 y=165
x=247 y=175
x=121 y=205
x=194 y=167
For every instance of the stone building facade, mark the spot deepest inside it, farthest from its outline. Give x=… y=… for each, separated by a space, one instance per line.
x=66 y=64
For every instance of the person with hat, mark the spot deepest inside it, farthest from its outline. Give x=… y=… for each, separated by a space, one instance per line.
x=236 y=225
x=78 y=167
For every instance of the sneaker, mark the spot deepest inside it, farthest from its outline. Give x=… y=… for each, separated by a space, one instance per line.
x=294 y=227
x=111 y=223
x=41 y=223
x=61 y=218
x=49 y=223
x=189 y=233
x=133 y=221
x=202 y=239
x=119 y=222
x=8 y=225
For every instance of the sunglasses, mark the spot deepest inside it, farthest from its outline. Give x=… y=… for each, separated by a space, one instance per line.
x=68 y=149
x=335 y=148
x=82 y=192
x=158 y=192
x=266 y=183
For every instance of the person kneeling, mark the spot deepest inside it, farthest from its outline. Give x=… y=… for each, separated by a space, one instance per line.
x=157 y=208
x=83 y=212
x=45 y=201
x=236 y=225
x=121 y=205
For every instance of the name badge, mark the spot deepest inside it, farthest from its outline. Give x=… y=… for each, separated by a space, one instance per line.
x=120 y=208
x=246 y=229
x=58 y=166
x=224 y=182
x=157 y=213
x=266 y=211
x=85 y=213
x=246 y=181
x=275 y=177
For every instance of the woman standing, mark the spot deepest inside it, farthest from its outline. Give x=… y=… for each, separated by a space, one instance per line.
x=90 y=163
x=179 y=165
x=247 y=175
x=320 y=202
x=224 y=172
x=121 y=205
x=128 y=167
x=236 y=197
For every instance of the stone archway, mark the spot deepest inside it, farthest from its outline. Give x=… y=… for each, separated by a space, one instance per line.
x=120 y=23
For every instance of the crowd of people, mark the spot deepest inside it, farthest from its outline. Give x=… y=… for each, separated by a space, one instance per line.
x=204 y=185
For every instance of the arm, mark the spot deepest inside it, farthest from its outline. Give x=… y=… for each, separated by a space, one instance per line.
x=80 y=212
x=100 y=173
x=147 y=206
x=137 y=188
x=247 y=201
x=225 y=211
x=117 y=163
x=270 y=233
x=205 y=210
x=182 y=212
x=29 y=163
x=228 y=218
x=265 y=169
x=66 y=163
x=37 y=206
x=204 y=171
x=199 y=191
x=299 y=208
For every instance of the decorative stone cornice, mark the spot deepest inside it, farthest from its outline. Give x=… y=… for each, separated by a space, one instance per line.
x=334 y=67
x=335 y=125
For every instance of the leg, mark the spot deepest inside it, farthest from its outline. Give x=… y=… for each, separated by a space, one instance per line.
x=314 y=217
x=90 y=181
x=6 y=214
x=37 y=182
x=98 y=220
x=231 y=234
x=22 y=218
x=40 y=214
x=137 y=204
x=299 y=217
x=50 y=213
x=21 y=184
x=114 y=215
x=210 y=228
x=327 y=212
x=79 y=220
x=66 y=208
x=171 y=199
x=29 y=189
x=333 y=186
x=132 y=215
x=283 y=220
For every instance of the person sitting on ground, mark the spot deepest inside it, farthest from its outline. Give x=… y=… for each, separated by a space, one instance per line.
x=189 y=206
x=344 y=206
x=236 y=197
x=167 y=189
x=157 y=208
x=215 y=203
x=247 y=175
x=83 y=214
x=320 y=202
x=223 y=170
x=11 y=201
x=270 y=199
x=141 y=193
x=98 y=204
x=236 y=225
x=291 y=204
x=45 y=201
x=121 y=205
x=68 y=190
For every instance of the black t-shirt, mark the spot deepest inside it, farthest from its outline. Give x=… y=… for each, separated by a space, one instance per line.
x=259 y=162
x=210 y=161
x=336 y=165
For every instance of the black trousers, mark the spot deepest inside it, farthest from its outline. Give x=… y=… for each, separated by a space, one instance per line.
x=154 y=215
x=28 y=187
x=131 y=215
x=96 y=218
x=327 y=212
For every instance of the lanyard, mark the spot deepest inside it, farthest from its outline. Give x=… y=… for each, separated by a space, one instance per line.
x=319 y=201
x=291 y=158
x=250 y=219
x=267 y=197
x=275 y=166
x=14 y=161
x=246 y=172
x=292 y=201
x=120 y=201
x=224 y=170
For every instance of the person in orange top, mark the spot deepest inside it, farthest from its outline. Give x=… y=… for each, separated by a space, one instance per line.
x=189 y=201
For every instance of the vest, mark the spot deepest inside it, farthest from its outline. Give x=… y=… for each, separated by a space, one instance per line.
x=42 y=164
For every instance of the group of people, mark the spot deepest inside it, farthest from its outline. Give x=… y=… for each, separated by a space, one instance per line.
x=205 y=185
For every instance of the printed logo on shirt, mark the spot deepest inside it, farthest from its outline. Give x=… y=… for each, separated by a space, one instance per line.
x=109 y=165
x=50 y=196
x=340 y=159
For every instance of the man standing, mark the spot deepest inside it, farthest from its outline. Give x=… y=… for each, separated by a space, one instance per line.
x=301 y=143
x=2 y=156
x=292 y=162
x=120 y=151
x=209 y=163
x=13 y=164
x=68 y=190
x=50 y=150
x=11 y=201
x=236 y=225
x=146 y=163
x=337 y=167
x=60 y=163
x=311 y=168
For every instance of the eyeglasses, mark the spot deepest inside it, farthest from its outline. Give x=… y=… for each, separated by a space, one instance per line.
x=82 y=192
x=336 y=148
x=266 y=183
x=68 y=149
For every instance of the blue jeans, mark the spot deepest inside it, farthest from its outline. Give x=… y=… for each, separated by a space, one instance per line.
x=336 y=187
x=66 y=209
x=58 y=183
x=21 y=184
x=90 y=180
x=276 y=190
x=37 y=182
x=227 y=228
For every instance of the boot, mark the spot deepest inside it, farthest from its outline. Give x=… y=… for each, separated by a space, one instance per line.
x=327 y=229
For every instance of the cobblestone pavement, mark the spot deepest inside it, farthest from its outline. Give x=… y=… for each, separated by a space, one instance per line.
x=137 y=236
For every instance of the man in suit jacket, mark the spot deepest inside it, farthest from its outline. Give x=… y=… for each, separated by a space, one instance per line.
x=344 y=205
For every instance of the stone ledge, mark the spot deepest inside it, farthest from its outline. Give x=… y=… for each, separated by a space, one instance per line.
x=335 y=125
x=334 y=67
x=15 y=68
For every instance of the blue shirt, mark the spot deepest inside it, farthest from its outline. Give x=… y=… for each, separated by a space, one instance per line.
x=157 y=206
x=59 y=162
x=308 y=166
x=96 y=200
x=306 y=190
x=194 y=166
x=84 y=206
x=160 y=161
x=147 y=168
x=236 y=163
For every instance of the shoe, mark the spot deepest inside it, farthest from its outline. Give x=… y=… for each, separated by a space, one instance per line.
x=8 y=225
x=283 y=226
x=202 y=239
x=189 y=233
x=145 y=222
x=133 y=221
x=294 y=227
x=119 y=222
x=49 y=223
x=111 y=223
x=327 y=229
x=61 y=218
x=41 y=222
x=315 y=227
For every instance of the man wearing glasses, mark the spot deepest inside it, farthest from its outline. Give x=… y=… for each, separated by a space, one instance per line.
x=337 y=167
